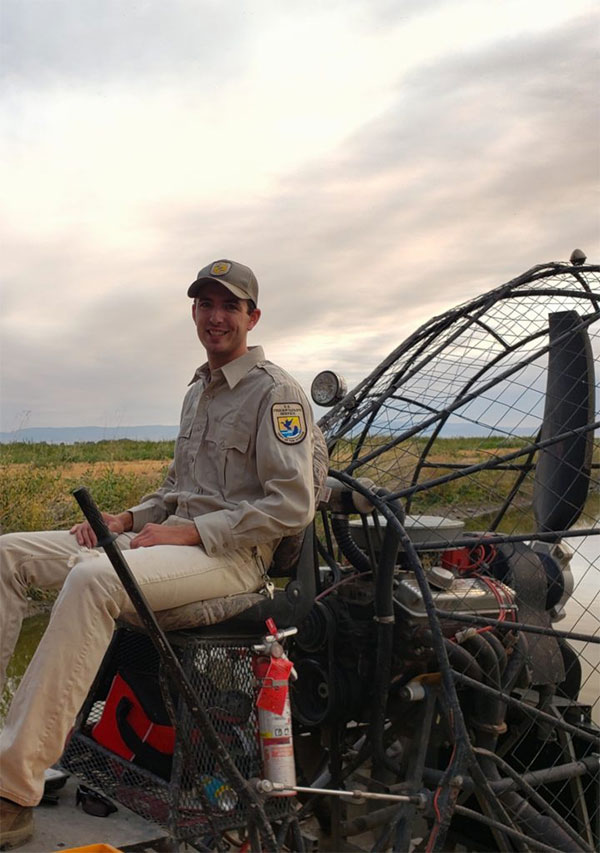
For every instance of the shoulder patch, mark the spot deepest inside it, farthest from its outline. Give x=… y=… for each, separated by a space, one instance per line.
x=289 y=422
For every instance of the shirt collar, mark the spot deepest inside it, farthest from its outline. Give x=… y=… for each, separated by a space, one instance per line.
x=233 y=371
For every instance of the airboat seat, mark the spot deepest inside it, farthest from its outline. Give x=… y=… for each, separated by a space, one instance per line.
x=247 y=612
x=213 y=641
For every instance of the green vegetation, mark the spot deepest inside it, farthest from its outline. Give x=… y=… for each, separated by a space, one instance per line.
x=36 y=480
x=403 y=468
x=447 y=446
x=38 y=496
x=121 y=450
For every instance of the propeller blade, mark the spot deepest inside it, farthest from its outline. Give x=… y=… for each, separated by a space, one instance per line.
x=563 y=469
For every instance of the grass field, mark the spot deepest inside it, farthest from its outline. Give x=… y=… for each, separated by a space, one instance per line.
x=36 y=480
x=36 y=495
x=121 y=450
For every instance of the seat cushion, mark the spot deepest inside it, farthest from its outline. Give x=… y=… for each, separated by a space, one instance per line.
x=199 y=614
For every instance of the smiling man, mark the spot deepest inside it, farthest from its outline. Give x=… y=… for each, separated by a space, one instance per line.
x=223 y=321
x=240 y=481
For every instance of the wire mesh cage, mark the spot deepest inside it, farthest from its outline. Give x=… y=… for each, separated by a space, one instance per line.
x=475 y=442
x=479 y=371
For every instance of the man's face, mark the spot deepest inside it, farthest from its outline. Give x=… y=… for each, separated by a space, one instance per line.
x=222 y=322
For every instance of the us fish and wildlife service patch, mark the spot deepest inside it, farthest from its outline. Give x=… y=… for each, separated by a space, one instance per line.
x=220 y=268
x=289 y=422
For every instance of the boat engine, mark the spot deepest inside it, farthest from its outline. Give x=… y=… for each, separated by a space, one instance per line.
x=335 y=648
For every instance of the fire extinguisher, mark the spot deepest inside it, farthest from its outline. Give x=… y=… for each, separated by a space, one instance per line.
x=273 y=669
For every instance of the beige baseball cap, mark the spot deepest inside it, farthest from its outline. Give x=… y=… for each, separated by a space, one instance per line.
x=237 y=278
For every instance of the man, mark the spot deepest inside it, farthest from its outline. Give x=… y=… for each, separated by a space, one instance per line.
x=241 y=479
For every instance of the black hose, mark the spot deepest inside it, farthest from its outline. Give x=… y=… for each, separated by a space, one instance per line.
x=340 y=526
x=538 y=826
x=520 y=779
x=488 y=722
x=498 y=648
x=488 y=710
x=485 y=656
x=333 y=565
x=384 y=583
x=463 y=661
x=384 y=616
x=514 y=667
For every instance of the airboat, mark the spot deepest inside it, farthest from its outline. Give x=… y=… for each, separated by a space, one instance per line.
x=425 y=676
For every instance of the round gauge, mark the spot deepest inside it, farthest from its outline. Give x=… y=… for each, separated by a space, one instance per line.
x=327 y=388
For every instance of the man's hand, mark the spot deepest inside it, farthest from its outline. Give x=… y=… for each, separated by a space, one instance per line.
x=166 y=534
x=116 y=524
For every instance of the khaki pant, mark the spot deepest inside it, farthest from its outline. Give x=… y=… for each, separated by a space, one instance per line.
x=81 y=625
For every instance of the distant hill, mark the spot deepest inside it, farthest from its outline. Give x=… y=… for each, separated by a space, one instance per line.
x=161 y=432
x=69 y=435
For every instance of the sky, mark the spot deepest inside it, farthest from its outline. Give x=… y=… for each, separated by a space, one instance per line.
x=376 y=162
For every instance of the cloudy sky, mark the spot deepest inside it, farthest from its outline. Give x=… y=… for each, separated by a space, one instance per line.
x=374 y=161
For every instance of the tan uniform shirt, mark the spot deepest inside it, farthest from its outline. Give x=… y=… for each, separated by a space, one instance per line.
x=243 y=459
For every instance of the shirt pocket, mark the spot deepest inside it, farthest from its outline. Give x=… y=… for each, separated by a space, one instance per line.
x=185 y=429
x=187 y=420
x=183 y=451
x=233 y=446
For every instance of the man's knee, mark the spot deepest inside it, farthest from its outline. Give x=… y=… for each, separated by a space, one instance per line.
x=39 y=558
x=94 y=579
x=9 y=542
x=11 y=551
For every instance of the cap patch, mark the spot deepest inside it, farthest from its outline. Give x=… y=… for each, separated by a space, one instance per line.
x=220 y=268
x=289 y=422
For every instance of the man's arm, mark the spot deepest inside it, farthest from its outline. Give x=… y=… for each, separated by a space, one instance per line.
x=285 y=471
x=166 y=534
x=157 y=506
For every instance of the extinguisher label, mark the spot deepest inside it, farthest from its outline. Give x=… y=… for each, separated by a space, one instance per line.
x=280 y=752
x=274 y=691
